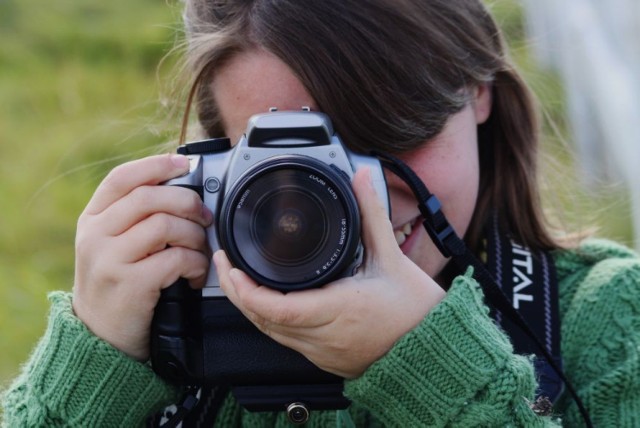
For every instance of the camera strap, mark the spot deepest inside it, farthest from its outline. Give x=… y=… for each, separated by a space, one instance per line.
x=528 y=278
x=452 y=246
x=197 y=408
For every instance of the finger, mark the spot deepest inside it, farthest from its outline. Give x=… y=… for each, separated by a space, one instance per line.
x=377 y=231
x=267 y=307
x=296 y=320
x=126 y=177
x=223 y=269
x=145 y=201
x=157 y=232
x=162 y=269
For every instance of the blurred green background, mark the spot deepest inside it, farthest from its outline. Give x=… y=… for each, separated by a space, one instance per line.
x=81 y=91
x=79 y=94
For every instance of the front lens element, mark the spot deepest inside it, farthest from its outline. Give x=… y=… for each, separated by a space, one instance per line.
x=290 y=224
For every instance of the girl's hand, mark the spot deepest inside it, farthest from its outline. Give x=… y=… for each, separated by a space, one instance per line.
x=135 y=238
x=347 y=325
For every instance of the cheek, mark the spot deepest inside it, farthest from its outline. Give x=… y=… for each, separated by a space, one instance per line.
x=454 y=178
x=460 y=202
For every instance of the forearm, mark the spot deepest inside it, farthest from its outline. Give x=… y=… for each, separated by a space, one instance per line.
x=75 y=378
x=456 y=368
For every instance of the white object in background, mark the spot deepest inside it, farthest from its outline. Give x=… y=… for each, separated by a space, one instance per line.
x=595 y=46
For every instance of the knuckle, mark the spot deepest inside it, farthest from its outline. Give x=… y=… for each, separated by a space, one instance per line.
x=161 y=224
x=85 y=240
x=178 y=256
x=82 y=243
x=105 y=274
x=260 y=322
x=263 y=326
x=165 y=158
x=191 y=263
x=116 y=177
x=83 y=218
x=142 y=196
x=342 y=344
x=283 y=315
x=185 y=203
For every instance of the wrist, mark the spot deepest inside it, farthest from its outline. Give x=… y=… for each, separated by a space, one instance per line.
x=74 y=370
x=446 y=360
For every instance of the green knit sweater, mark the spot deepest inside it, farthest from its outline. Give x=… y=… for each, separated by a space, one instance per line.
x=454 y=369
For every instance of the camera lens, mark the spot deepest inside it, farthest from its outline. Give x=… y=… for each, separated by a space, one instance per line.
x=291 y=223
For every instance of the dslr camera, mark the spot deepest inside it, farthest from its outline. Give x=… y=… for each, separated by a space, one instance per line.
x=285 y=214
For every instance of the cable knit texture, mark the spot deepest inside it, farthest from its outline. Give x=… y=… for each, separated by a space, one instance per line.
x=75 y=379
x=454 y=369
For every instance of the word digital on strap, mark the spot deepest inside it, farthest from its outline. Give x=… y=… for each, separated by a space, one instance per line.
x=528 y=278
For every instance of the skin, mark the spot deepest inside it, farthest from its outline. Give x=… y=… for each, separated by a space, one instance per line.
x=331 y=326
x=136 y=238
x=122 y=259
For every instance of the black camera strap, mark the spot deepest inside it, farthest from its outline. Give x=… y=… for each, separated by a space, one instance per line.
x=451 y=245
x=528 y=278
x=197 y=408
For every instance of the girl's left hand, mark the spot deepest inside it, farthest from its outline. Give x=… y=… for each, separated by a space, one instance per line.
x=350 y=323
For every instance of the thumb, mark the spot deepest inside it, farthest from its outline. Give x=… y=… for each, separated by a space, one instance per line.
x=377 y=231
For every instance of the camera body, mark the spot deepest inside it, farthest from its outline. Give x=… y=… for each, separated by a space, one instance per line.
x=286 y=215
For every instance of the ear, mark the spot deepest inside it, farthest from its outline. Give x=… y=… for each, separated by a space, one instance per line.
x=482 y=102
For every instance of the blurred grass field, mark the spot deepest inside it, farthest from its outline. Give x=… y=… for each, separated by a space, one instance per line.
x=79 y=94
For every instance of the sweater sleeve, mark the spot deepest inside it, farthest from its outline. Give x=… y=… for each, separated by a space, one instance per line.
x=456 y=368
x=73 y=378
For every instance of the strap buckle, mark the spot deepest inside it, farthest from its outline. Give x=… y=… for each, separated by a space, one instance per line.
x=438 y=227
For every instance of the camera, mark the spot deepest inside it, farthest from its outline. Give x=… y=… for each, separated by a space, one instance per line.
x=286 y=215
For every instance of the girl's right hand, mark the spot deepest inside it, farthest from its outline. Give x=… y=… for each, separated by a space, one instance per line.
x=133 y=239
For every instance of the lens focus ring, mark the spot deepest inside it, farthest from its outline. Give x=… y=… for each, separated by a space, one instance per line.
x=291 y=223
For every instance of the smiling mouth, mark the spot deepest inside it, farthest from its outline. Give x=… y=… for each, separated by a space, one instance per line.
x=404 y=231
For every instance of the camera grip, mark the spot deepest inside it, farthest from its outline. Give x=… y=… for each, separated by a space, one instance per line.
x=264 y=375
x=175 y=332
x=237 y=353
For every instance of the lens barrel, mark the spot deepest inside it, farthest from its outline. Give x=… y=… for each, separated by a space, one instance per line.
x=291 y=222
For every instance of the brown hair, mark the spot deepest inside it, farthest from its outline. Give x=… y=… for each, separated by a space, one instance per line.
x=389 y=73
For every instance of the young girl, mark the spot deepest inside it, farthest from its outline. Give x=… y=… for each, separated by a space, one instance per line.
x=426 y=80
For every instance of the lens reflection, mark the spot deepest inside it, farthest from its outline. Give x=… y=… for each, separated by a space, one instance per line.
x=290 y=226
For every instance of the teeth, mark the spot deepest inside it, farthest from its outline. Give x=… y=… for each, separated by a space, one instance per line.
x=400 y=237
x=402 y=233
x=407 y=229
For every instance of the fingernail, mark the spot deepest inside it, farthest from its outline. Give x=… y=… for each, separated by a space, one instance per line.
x=216 y=256
x=235 y=274
x=368 y=178
x=180 y=161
